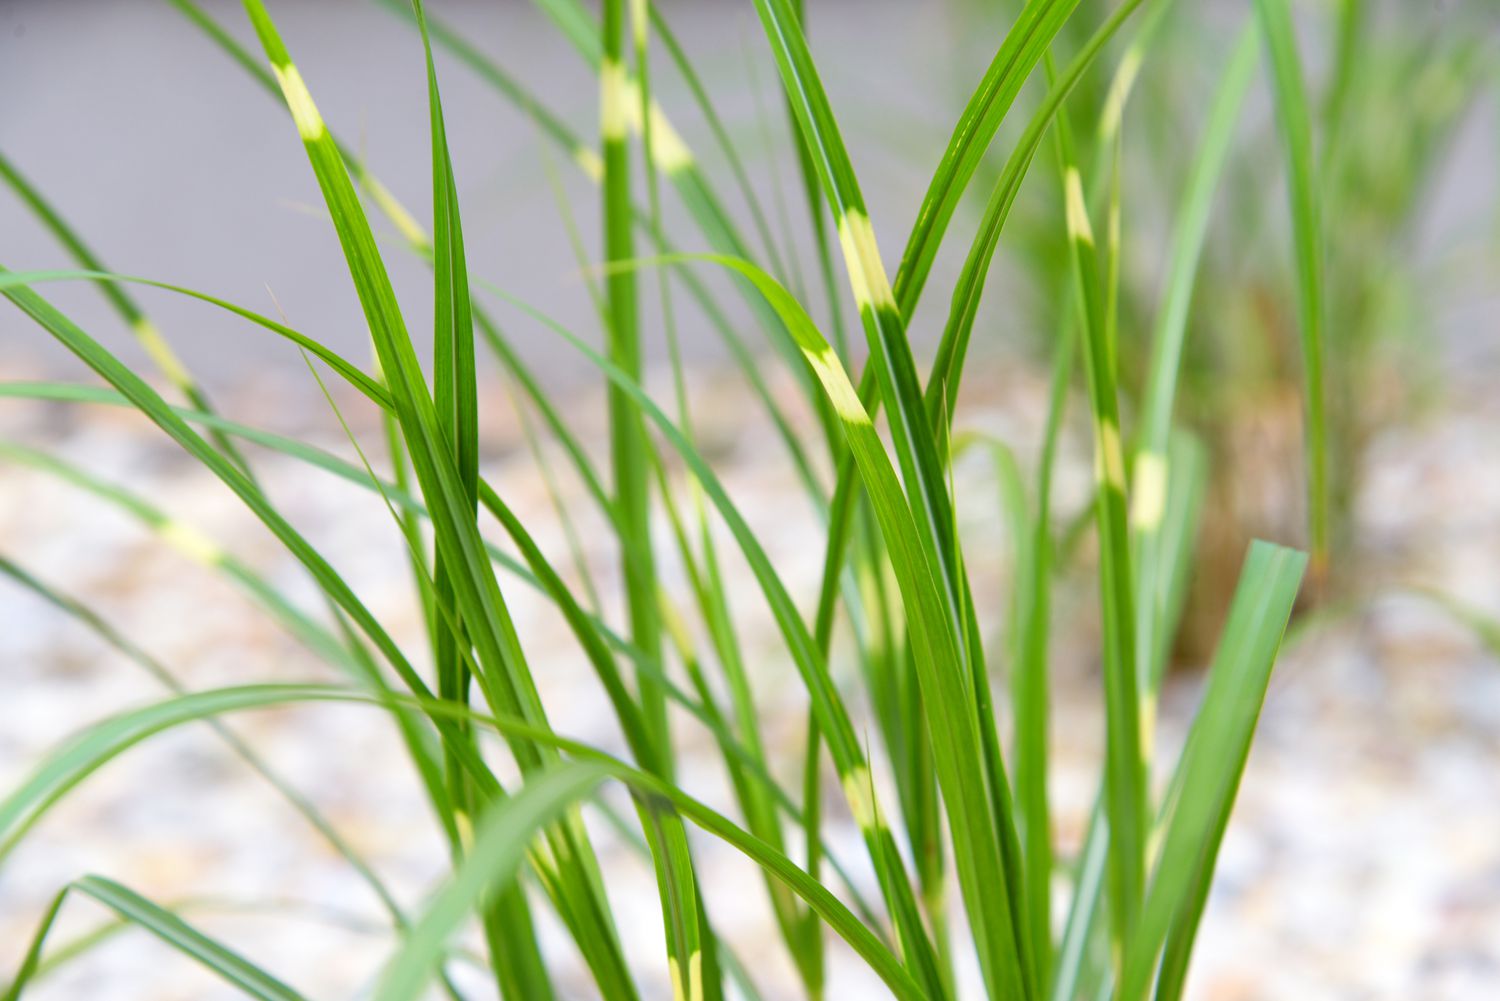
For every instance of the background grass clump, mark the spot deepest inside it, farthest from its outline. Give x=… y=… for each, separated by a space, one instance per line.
x=1179 y=268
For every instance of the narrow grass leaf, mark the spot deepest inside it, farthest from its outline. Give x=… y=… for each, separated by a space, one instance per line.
x=1203 y=790
x=501 y=840
x=1307 y=246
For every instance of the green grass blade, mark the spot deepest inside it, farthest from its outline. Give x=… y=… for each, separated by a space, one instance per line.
x=454 y=381
x=1171 y=556
x=1072 y=961
x=1030 y=542
x=1164 y=500
x=1028 y=38
x=455 y=398
x=676 y=160
x=587 y=629
x=350 y=372
x=1353 y=24
x=884 y=325
x=807 y=171
x=628 y=442
x=1213 y=759
x=81 y=945
x=677 y=888
x=579 y=27
x=505 y=679
x=1307 y=228
x=947 y=367
x=186 y=539
x=1172 y=975
x=692 y=954
x=665 y=844
x=707 y=586
x=1153 y=476
x=538 y=450
x=1484 y=627
x=678 y=163
x=1125 y=773
x=943 y=381
x=500 y=844
x=506 y=917
x=1033 y=623
x=952 y=717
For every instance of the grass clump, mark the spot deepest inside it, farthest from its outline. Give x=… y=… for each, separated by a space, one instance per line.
x=971 y=809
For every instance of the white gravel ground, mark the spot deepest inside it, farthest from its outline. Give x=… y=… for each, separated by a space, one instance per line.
x=1363 y=861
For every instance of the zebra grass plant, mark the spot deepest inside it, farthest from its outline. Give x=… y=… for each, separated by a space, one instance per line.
x=970 y=811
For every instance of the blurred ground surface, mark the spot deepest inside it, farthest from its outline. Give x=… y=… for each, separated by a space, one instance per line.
x=1363 y=861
